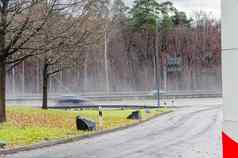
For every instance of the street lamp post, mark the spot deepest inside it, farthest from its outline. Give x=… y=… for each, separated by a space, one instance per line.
x=157 y=63
x=106 y=61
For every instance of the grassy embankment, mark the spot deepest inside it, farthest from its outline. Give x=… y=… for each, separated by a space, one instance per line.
x=30 y=125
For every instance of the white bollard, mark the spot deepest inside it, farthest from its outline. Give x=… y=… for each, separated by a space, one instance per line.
x=100 y=118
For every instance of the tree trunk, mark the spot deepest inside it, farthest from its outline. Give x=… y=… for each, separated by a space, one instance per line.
x=45 y=87
x=3 y=29
x=23 y=78
x=2 y=91
x=13 y=81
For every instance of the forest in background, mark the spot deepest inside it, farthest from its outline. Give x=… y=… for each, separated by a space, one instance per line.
x=122 y=57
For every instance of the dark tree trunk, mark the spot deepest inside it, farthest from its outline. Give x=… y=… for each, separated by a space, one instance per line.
x=45 y=87
x=2 y=92
x=3 y=52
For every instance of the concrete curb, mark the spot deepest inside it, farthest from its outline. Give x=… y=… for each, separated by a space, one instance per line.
x=73 y=139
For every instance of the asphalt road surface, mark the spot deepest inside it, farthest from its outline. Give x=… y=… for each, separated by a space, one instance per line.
x=187 y=102
x=177 y=102
x=191 y=132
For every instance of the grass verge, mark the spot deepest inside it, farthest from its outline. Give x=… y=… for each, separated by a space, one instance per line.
x=27 y=125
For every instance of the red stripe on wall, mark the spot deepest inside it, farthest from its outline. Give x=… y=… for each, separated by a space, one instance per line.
x=230 y=147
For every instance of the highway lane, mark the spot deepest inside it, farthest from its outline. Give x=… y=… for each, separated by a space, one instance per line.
x=191 y=132
x=169 y=102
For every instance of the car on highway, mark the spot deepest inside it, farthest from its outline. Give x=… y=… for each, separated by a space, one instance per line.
x=68 y=101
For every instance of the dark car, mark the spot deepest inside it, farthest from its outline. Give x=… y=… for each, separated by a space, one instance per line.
x=68 y=101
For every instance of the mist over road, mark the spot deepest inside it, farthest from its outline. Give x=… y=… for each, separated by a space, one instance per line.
x=189 y=132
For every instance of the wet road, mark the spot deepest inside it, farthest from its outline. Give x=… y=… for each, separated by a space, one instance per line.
x=178 y=102
x=191 y=132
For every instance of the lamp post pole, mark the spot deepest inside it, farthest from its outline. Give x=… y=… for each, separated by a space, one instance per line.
x=106 y=61
x=157 y=63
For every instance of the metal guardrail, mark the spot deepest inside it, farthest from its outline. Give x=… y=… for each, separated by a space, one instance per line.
x=191 y=95
x=105 y=107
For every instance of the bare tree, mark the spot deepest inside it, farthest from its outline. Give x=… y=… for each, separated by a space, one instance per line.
x=67 y=38
x=20 y=22
x=21 y=25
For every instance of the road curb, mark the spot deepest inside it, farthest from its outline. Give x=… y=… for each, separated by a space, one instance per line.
x=74 y=139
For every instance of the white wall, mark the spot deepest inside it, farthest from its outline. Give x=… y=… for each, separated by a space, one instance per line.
x=230 y=66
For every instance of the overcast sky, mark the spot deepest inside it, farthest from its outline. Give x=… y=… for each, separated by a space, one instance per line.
x=191 y=6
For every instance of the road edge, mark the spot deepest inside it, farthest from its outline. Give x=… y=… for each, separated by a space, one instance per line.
x=75 y=138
